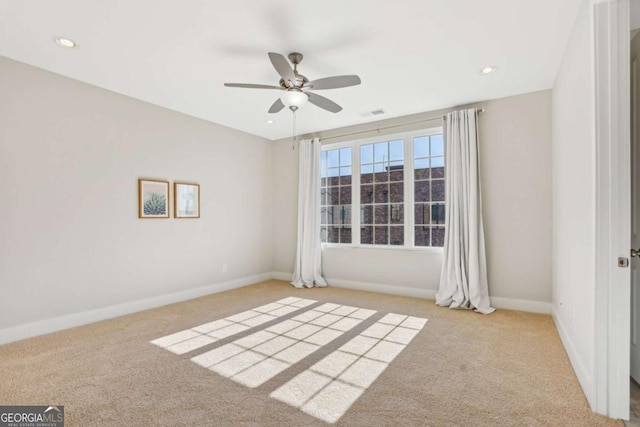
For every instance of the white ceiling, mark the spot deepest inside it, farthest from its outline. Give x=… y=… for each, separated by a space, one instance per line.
x=412 y=55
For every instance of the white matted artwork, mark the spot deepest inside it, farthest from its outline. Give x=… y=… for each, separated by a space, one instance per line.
x=186 y=200
x=153 y=199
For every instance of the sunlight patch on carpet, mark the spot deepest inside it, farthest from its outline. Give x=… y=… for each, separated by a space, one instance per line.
x=328 y=389
x=256 y=358
x=208 y=333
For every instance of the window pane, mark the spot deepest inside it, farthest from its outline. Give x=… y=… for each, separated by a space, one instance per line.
x=345 y=195
x=379 y=167
x=421 y=191
x=345 y=180
x=437 y=171
x=366 y=214
x=396 y=236
x=381 y=152
x=396 y=192
x=330 y=214
x=366 y=235
x=396 y=150
x=437 y=162
x=333 y=235
x=345 y=235
x=333 y=195
x=381 y=236
x=437 y=190
x=366 y=154
x=421 y=146
x=345 y=156
x=366 y=169
x=345 y=171
x=382 y=214
x=437 y=145
x=421 y=213
x=437 y=213
x=323 y=215
x=422 y=236
x=396 y=213
x=382 y=193
x=366 y=194
x=332 y=159
x=344 y=215
x=437 y=236
x=381 y=176
x=421 y=168
x=396 y=175
x=323 y=234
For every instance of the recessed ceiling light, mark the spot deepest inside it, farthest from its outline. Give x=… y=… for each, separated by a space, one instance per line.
x=270 y=122
x=488 y=70
x=65 y=42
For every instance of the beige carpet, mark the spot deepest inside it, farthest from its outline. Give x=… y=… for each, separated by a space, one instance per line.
x=508 y=368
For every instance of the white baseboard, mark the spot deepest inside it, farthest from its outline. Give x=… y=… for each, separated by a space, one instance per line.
x=584 y=378
x=497 y=302
x=41 y=327
x=530 y=306
x=282 y=276
x=404 y=291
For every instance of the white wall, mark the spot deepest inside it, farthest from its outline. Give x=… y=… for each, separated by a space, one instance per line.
x=515 y=135
x=573 y=183
x=70 y=238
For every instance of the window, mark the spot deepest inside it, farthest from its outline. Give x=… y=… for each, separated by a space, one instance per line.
x=382 y=193
x=335 y=196
x=428 y=168
x=397 y=185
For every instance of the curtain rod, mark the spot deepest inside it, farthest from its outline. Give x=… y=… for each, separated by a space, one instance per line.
x=430 y=119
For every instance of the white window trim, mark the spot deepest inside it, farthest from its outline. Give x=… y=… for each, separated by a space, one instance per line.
x=409 y=202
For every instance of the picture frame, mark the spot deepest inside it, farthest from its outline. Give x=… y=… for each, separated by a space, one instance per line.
x=186 y=200
x=153 y=199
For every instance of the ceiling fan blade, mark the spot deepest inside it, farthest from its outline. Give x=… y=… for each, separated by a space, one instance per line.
x=276 y=107
x=335 y=82
x=251 y=86
x=282 y=66
x=324 y=103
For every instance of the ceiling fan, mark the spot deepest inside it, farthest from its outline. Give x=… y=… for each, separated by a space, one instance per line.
x=297 y=88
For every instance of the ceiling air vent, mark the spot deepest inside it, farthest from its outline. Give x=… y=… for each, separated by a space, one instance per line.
x=372 y=113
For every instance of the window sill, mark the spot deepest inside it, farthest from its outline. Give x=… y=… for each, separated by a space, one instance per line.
x=382 y=248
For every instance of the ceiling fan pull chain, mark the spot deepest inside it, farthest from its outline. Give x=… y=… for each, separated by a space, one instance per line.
x=295 y=137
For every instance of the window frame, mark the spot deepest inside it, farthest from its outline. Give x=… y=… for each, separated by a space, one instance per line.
x=409 y=185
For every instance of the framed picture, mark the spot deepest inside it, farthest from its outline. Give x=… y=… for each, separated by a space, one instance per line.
x=186 y=199
x=153 y=199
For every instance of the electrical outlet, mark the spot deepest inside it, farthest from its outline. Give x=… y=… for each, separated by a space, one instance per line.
x=224 y=268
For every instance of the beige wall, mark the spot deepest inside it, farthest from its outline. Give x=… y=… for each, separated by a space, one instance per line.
x=70 y=239
x=515 y=137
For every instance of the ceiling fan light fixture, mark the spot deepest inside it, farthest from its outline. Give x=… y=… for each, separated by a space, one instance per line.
x=294 y=98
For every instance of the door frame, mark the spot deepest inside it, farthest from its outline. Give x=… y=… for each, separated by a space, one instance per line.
x=611 y=62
